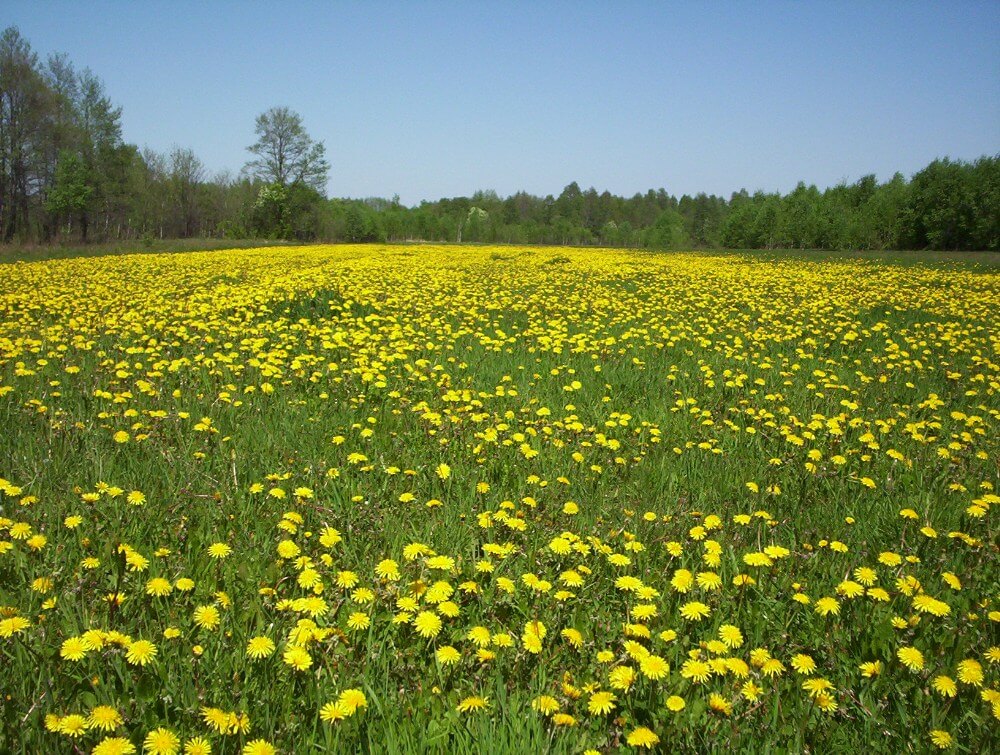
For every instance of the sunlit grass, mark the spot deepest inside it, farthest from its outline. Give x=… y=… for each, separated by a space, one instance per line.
x=506 y=499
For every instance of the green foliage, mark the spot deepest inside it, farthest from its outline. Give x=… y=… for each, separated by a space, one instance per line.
x=285 y=154
x=65 y=171
x=667 y=232
x=271 y=213
x=71 y=190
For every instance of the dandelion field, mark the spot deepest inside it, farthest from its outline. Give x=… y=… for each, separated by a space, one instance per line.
x=498 y=499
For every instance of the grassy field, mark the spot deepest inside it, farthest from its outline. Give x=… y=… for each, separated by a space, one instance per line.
x=498 y=499
x=41 y=252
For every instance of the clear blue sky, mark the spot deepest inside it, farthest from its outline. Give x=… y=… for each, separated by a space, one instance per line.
x=431 y=99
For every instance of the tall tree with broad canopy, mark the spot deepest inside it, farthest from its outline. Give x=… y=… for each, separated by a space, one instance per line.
x=285 y=154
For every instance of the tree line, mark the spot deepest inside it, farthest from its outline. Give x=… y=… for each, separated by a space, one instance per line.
x=66 y=174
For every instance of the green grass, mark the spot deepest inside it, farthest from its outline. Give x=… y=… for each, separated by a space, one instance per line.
x=41 y=252
x=302 y=357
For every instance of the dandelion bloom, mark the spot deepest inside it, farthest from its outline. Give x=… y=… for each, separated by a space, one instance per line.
x=259 y=747
x=573 y=637
x=682 y=581
x=479 y=635
x=826 y=702
x=817 y=685
x=140 y=652
x=945 y=686
x=695 y=611
x=720 y=704
x=531 y=642
x=73 y=725
x=871 y=668
x=545 y=704
x=358 y=621
x=440 y=563
x=772 y=667
x=643 y=737
x=219 y=550
x=260 y=647
x=207 y=617
x=910 y=657
x=675 y=703
x=216 y=719
x=970 y=672
x=803 y=664
x=472 y=703
x=352 y=699
x=347 y=579
x=161 y=742
x=731 y=635
x=297 y=657
x=427 y=624
x=709 y=580
x=73 y=649
x=750 y=691
x=198 y=746
x=333 y=712
x=12 y=626
x=387 y=569
x=865 y=576
x=654 y=667
x=645 y=611
x=757 y=559
x=113 y=746
x=622 y=677
x=941 y=739
x=104 y=717
x=878 y=594
x=601 y=703
x=158 y=587
x=850 y=589
x=926 y=604
x=695 y=670
x=329 y=537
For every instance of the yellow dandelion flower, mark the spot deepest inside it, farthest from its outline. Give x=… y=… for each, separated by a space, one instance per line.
x=601 y=703
x=945 y=686
x=352 y=700
x=73 y=649
x=207 y=617
x=297 y=657
x=140 y=652
x=260 y=647
x=427 y=624
x=333 y=712
x=161 y=742
x=259 y=747
x=104 y=717
x=695 y=611
x=472 y=704
x=73 y=725
x=970 y=672
x=219 y=550
x=910 y=657
x=113 y=746
x=941 y=739
x=642 y=737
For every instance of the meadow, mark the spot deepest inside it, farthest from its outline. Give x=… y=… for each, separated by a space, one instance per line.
x=498 y=499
